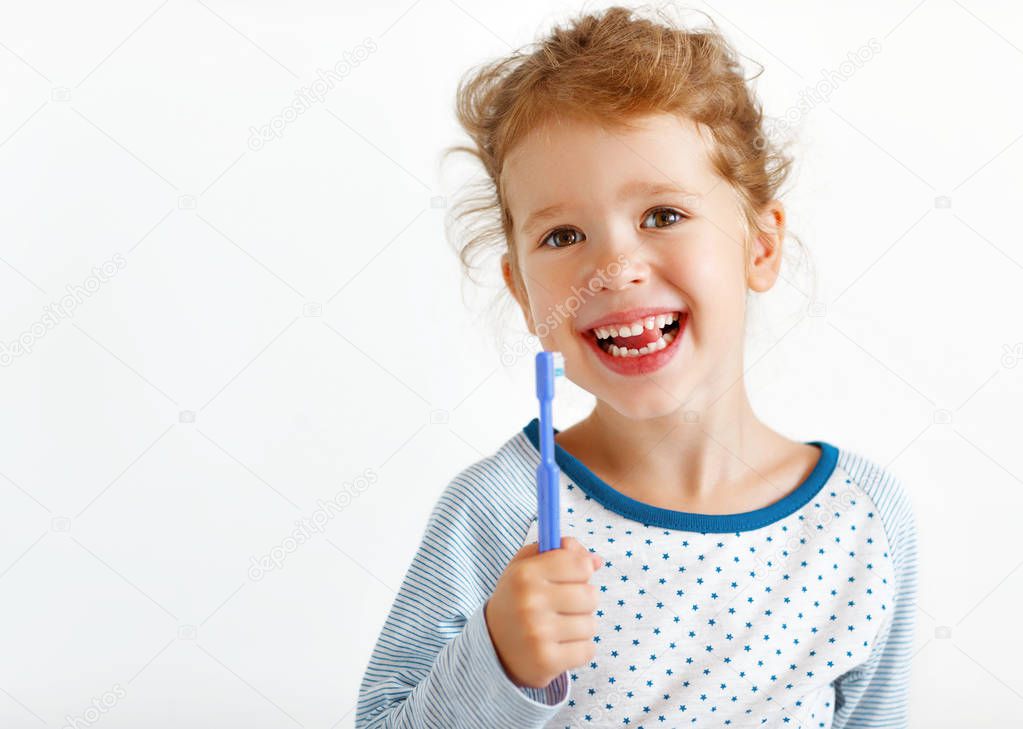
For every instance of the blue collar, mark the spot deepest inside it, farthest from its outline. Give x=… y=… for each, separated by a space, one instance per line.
x=616 y=501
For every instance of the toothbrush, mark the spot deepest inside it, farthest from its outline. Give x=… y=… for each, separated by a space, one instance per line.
x=549 y=366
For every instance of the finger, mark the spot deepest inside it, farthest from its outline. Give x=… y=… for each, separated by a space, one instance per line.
x=575 y=653
x=571 y=543
x=566 y=565
x=533 y=548
x=573 y=598
x=571 y=628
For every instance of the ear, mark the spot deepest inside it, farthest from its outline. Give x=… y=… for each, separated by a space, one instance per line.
x=765 y=253
x=517 y=291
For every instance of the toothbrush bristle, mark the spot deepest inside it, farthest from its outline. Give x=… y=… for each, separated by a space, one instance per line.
x=559 y=364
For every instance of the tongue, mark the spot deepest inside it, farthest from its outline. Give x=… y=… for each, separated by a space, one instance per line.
x=647 y=336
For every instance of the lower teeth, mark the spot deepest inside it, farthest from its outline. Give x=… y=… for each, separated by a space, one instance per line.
x=615 y=351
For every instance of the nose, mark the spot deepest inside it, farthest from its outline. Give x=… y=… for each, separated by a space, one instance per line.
x=619 y=267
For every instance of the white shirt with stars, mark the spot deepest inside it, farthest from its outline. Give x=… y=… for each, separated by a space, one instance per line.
x=799 y=614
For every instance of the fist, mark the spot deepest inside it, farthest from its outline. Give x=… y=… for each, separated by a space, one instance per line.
x=541 y=615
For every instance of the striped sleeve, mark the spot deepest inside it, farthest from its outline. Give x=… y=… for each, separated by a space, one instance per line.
x=434 y=664
x=876 y=693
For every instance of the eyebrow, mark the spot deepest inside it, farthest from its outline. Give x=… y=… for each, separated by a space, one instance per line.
x=633 y=188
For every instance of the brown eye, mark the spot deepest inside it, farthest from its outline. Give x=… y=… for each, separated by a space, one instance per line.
x=667 y=216
x=559 y=238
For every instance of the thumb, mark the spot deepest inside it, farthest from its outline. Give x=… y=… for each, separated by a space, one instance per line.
x=572 y=543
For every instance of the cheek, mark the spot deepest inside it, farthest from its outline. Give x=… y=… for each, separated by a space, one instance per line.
x=548 y=317
x=709 y=273
x=705 y=268
x=547 y=290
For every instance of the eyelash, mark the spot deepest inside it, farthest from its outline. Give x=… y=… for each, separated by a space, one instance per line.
x=682 y=216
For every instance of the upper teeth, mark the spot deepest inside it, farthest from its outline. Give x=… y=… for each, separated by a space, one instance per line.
x=635 y=328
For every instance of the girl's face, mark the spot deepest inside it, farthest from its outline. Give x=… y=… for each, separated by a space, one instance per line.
x=616 y=227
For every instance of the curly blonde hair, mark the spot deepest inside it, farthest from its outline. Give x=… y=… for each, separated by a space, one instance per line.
x=610 y=67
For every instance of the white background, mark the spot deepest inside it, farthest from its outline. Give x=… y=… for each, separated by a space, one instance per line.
x=291 y=317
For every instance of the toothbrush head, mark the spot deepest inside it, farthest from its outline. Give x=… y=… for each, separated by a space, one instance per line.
x=559 y=364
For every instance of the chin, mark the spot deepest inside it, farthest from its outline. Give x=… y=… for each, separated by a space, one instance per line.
x=657 y=404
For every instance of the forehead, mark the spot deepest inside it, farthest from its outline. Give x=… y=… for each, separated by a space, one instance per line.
x=567 y=161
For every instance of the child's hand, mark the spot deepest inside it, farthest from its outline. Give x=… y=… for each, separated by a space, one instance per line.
x=541 y=615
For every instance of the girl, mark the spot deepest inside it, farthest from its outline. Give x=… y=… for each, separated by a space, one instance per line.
x=713 y=572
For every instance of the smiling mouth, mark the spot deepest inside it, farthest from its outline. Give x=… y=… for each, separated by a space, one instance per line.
x=638 y=338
